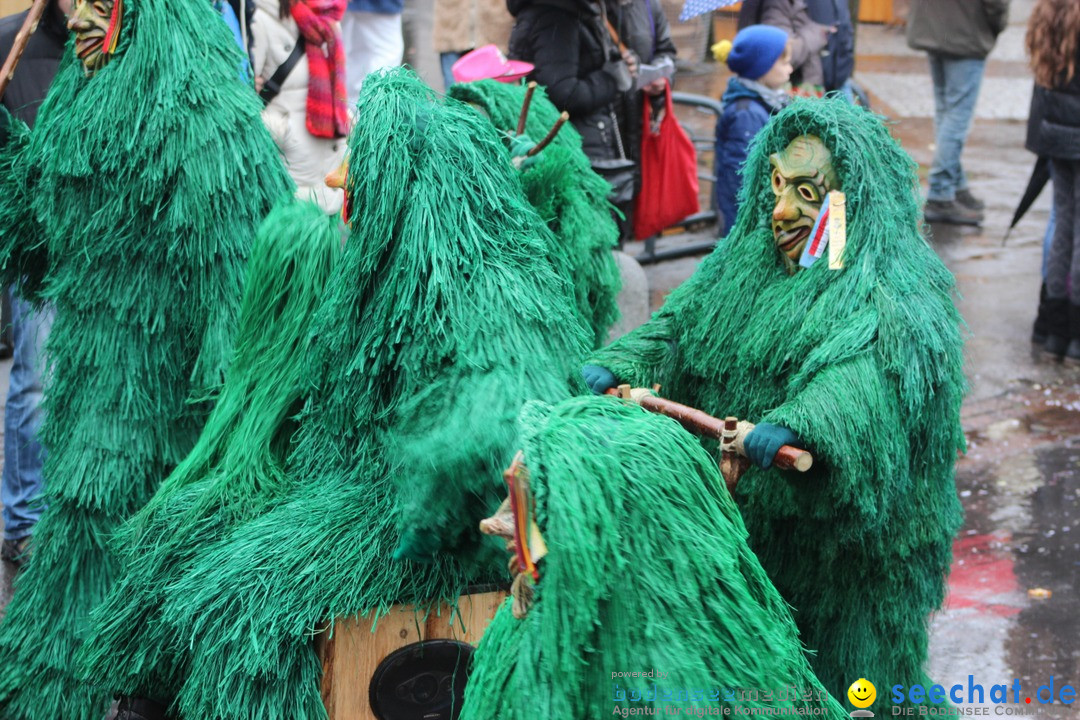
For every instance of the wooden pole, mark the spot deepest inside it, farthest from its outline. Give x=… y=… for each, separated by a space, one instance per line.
x=550 y=136
x=698 y=422
x=529 y=90
x=21 y=38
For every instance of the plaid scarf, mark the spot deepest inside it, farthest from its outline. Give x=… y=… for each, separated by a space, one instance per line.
x=327 y=109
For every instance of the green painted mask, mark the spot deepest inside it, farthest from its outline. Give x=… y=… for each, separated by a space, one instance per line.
x=96 y=25
x=802 y=174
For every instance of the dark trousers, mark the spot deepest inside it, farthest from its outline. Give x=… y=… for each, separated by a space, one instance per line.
x=1063 y=264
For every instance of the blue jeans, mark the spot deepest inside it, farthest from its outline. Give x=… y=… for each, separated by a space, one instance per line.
x=956 y=88
x=1048 y=240
x=22 y=482
x=1063 y=265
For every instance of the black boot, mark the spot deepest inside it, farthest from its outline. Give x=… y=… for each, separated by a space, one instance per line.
x=1072 y=352
x=1039 y=332
x=138 y=708
x=1057 y=327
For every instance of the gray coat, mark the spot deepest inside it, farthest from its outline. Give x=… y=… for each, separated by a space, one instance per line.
x=808 y=38
x=960 y=28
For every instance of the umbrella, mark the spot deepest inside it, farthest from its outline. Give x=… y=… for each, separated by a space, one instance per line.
x=693 y=8
x=1039 y=175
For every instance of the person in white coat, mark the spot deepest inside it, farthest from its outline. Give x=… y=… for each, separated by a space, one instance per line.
x=308 y=158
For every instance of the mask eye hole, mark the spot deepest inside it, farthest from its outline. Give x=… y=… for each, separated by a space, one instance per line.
x=100 y=9
x=777 y=182
x=808 y=192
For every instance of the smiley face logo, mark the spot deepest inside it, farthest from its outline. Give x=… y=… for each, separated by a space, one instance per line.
x=862 y=693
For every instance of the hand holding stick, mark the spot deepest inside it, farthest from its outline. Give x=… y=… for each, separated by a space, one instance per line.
x=696 y=421
x=732 y=464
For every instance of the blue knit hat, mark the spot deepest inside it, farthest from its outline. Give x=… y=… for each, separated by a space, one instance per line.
x=755 y=50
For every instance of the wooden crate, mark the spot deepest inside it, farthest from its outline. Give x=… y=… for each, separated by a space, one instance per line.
x=876 y=11
x=350 y=656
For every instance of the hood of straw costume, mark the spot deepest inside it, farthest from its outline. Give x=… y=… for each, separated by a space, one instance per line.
x=863 y=364
x=647 y=566
x=560 y=183
x=237 y=467
x=442 y=317
x=131 y=208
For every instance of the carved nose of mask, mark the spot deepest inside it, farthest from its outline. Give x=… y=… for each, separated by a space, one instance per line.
x=785 y=208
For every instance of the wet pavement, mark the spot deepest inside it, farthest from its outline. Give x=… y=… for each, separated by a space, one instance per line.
x=1013 y=609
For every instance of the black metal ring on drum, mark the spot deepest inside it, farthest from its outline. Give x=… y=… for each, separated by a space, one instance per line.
x=421 y=681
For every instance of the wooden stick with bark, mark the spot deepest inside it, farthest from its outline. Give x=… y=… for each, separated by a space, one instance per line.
x=700 y=423
x=550 y=136
x=21 y=38
x=529 y=90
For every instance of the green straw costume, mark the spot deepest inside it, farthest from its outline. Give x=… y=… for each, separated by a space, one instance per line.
x=442 y=318
x=864 y=365
x=572 y=199
x=647 y=569
x=236 y=469
x=131 y=207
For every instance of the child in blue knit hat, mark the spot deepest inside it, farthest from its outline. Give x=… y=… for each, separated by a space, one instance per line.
x=760 y=57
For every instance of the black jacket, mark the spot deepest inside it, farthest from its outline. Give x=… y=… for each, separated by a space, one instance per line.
x=1054 y=121
x=569 y=45
x=562 y=38
x=39 y=62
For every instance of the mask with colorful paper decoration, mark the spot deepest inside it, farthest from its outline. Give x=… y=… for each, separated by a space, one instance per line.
x=96 y=25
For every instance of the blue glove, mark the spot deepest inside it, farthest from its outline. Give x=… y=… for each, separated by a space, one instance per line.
x=598 y=378
x=765 y=440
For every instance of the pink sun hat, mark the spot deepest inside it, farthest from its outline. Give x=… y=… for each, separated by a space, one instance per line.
x=488 y=62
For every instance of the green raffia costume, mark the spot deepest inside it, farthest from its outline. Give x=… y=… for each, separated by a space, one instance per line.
x=864 y=365
x=236 y=469
x=647 y=568
x=131 y=207
x=570 y=197
x=442 y=318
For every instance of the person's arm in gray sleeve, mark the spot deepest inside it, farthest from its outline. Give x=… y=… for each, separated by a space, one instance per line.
x=664 y=45
x=811 y=38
